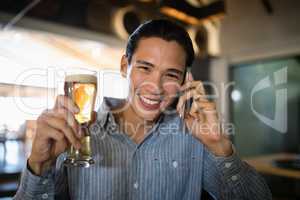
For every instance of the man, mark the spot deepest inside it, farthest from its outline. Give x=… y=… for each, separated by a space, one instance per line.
x=144 y=150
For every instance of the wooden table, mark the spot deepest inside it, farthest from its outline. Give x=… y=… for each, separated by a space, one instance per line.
x=265 y=164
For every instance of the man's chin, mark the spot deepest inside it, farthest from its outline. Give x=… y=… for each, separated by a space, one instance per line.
x=149 y=116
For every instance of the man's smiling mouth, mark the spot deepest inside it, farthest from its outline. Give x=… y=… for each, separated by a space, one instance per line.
x=149 y=103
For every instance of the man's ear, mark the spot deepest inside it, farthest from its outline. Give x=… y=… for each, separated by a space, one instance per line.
x=124 y=66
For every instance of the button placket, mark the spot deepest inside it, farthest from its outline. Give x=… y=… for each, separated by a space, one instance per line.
x=234 y=178
x=136 y=185
x=175 y=164
x=45 y=196
x=228 y=165
x=134 y=175
x=44 y=182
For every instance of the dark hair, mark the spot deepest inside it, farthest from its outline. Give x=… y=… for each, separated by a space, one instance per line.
x=163 y=29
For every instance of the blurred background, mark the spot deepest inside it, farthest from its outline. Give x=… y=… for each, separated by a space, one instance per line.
x=248 y=55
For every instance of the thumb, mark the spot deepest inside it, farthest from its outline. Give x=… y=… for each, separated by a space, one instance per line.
x=94 y=117
x=189 y=76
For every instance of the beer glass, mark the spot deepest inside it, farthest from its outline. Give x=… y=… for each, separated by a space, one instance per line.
x=81 y=87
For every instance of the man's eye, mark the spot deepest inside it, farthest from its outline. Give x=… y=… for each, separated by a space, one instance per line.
x=144 y=68
x=173 y=76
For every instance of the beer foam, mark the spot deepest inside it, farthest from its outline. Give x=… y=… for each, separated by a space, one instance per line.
x=82 y=78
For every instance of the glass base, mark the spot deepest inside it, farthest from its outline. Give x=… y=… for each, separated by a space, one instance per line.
x=87 y=162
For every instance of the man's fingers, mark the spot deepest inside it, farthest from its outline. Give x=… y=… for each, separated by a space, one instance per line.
x=63 y=127
x=188 y=95
x=201 y=88
x=94 y=117
x=190 y=85
x=195 y=110
x=60 y=147
x=189 y=76
x=202 y=108
x=206 y=106
x=49 y=132
x=209 y=111
x=65 y=102
x=69 y=117
x=182 y=100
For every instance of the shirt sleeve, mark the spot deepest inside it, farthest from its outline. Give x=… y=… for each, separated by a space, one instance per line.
x=229 y=178
x=51 y=185
x=35 y=187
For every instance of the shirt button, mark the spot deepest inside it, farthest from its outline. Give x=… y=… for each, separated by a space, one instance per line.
x=45 y=182
x=234 y=178
x=228 y=164
x=113 y=127
x=94 y=129
x=175 y=164
x=45 y=196
x=136 y=185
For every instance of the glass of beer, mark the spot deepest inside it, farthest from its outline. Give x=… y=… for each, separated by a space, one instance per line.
x=81 y=87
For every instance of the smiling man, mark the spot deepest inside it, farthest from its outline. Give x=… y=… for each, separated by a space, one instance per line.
x=148 y=146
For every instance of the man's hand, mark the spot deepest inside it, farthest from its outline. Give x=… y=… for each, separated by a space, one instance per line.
x=202 y=118
x=56 y=130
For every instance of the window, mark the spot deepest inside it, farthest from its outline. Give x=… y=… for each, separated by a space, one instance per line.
x=265 y=106
x=30 y=59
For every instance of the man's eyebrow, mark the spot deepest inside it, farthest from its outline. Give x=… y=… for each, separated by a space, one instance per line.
x=143 y=62
x=175 y=71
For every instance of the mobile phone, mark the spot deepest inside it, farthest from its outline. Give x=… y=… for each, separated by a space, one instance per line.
x=189 y=102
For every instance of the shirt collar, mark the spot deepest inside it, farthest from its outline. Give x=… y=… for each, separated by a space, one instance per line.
x=104 y=114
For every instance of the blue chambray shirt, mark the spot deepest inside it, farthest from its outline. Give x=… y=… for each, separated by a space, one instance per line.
x=169 y=164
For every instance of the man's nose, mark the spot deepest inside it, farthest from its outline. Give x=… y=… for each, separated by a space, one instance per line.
x=155 y=83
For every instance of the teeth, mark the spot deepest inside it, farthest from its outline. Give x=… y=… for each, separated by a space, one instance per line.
x=148 y=101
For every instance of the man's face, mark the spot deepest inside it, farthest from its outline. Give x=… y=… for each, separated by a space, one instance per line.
x=156 y=73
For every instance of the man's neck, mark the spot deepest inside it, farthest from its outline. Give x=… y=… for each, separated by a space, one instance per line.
x=133 y=125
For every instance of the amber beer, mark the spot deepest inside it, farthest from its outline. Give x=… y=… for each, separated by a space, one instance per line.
x=82 y=88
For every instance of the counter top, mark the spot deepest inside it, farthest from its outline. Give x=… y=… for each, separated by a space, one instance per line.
x=265 y=164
